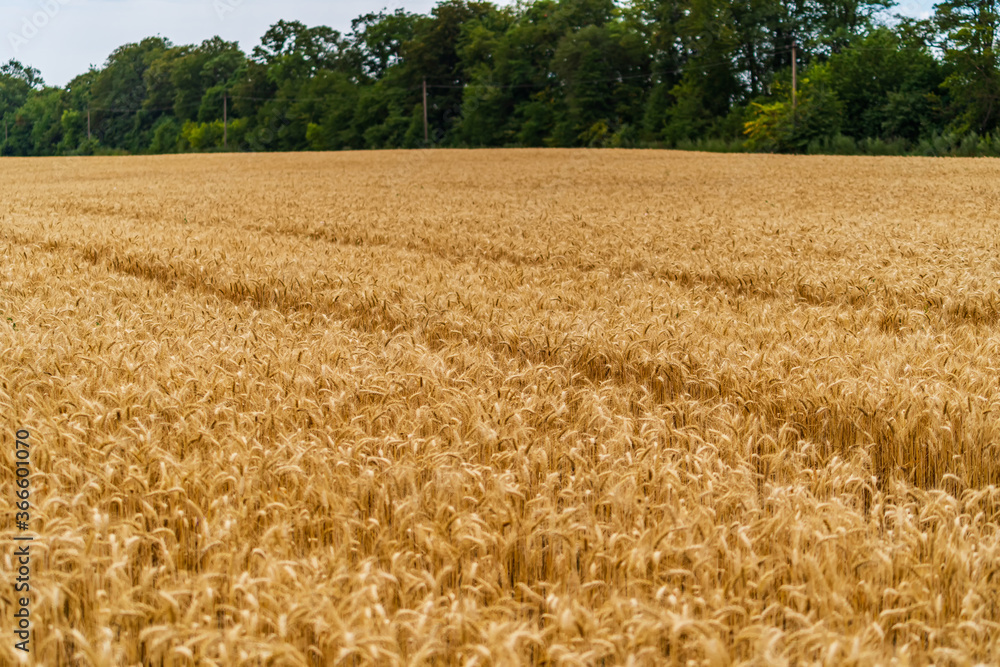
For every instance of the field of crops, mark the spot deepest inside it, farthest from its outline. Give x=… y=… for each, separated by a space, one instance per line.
x=497 y=408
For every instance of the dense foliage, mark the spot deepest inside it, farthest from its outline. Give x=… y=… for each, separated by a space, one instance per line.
x=714 y=74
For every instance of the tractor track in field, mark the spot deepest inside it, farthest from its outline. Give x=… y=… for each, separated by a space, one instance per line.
x=588 y=361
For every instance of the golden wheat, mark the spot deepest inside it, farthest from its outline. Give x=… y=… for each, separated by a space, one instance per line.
x=506 y=407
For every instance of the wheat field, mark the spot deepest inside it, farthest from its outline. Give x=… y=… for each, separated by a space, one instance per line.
x=504 y=407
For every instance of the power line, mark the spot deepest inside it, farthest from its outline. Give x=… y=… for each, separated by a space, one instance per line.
x=189 y=105
x=690 y=66
x=490 y=85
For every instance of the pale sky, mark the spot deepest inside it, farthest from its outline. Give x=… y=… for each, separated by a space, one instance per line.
x=62 y=38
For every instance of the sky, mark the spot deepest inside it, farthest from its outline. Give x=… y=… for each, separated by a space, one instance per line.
x=62 y=38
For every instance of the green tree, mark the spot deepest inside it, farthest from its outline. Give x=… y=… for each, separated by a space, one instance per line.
x=778 y=126
x=118 y=94
x=969 y=32
x=17 y=82
x=887 y=86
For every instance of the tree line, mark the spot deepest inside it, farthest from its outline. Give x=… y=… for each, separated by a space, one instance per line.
x=708 y=74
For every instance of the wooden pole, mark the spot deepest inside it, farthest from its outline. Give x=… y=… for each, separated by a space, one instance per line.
x=795 y=82
x=426 y=133
x=88 y=123
x=225 y=121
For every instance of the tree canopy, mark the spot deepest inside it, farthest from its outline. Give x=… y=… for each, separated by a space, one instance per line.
x=672 y=73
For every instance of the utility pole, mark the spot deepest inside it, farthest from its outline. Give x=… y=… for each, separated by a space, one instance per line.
x=795 y=83
x=426 y=134
x=225 y=121
x=88 y=123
